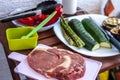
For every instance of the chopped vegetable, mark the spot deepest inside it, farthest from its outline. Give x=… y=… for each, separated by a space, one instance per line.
x=68 y=38
x=27 y=21
x=35 y=20
x=110 y=22
x=79 y=29
x=116 y=32
x=95 y=32
x=71 y=33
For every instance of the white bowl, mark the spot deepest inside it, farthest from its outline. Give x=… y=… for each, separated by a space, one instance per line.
x=45 y=28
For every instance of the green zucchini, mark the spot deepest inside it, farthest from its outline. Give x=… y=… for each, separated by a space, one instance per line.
x=78 y=41
x=95 y=32
x=78 y=28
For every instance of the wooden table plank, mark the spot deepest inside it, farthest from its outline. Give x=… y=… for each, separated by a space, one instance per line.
x=45 y=34
x=108 y=62
x=49 y=41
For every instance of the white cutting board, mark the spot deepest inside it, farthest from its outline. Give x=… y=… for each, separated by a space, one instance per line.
x=92 y=67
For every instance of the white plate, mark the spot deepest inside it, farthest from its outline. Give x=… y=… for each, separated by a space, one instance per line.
x=45 y=28
x=92 y=67
x=102 y=52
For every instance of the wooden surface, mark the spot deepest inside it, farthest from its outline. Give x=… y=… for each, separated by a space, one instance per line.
x=49 y=38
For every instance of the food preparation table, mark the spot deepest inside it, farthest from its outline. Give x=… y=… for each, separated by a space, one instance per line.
x=49 y=38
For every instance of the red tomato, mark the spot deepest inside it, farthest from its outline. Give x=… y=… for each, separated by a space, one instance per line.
x=29 y=21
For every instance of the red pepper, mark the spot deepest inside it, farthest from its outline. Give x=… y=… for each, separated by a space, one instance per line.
x=56 y=17
x=39 y=18
x=59 y=10
x=35 y=20
x=29 y=21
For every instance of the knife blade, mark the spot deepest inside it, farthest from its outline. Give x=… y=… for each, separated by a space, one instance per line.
x=109 y=36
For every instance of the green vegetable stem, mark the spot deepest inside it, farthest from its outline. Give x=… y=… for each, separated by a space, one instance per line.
x=71 y=33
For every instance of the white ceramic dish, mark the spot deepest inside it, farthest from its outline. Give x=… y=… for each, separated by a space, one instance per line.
x=92 y=67
x=102 y=52
x=45 y=28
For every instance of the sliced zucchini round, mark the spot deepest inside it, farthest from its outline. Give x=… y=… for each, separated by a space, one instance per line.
x=116 y=33
x=111 y=22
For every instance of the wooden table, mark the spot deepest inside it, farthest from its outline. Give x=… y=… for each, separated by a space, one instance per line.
x=49 y=38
